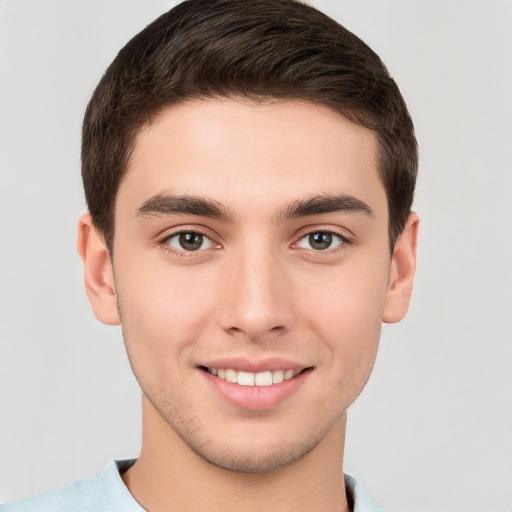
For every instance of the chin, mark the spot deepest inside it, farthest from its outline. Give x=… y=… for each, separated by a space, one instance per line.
x=254 y=460
x=252 y=451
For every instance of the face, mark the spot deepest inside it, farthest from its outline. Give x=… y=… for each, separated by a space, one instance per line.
x=252 y=270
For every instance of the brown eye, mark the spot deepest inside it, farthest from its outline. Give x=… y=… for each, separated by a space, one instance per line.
x=320 y=241
x=189 y=241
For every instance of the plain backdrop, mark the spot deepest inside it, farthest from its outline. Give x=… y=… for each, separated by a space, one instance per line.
x=433 y=429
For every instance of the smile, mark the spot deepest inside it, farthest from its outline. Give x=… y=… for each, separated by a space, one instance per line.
x=266 y=378
x=271 y=382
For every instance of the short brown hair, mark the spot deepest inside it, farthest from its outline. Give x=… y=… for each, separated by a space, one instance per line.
x=258 y=49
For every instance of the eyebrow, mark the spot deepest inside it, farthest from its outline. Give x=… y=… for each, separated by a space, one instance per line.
x=170 y=204
x=325 y=203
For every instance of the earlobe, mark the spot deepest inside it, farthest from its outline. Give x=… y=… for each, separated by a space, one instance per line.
x=98 y=272
x=403 y=267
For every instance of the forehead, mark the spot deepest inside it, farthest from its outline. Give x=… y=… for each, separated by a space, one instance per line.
x=252 y=156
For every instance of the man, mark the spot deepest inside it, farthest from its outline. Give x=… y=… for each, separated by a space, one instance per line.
x=249 y=168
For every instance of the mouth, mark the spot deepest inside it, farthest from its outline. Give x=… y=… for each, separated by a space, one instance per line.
x=260 y=379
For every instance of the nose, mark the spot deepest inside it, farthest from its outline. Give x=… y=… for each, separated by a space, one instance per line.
x=257 y=295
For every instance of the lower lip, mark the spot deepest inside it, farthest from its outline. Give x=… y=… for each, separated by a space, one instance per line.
x=256 y=398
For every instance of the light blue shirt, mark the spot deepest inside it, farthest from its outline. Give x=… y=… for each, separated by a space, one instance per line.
x=107 y=493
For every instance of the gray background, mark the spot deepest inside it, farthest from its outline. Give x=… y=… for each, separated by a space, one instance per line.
x=433 y=429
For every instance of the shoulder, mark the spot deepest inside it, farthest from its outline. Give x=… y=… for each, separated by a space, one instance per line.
x=359 y=499
x=81 y=496
x=105 y=493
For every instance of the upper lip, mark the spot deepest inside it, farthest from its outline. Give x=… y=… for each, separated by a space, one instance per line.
x=255 y=365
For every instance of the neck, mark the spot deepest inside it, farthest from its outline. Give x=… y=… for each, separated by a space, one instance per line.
x=167 y=473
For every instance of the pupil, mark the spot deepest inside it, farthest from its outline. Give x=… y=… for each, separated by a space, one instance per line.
x=320 y=241
x=191 y=241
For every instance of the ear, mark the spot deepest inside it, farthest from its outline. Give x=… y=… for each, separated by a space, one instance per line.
x=401 y=275
x=98 y=272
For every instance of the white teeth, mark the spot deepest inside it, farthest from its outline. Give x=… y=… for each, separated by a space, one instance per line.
x=266 y=378
x=246 y=378
x=231 y=375
x=277 y=376
x=263 y=379
x=288 y=374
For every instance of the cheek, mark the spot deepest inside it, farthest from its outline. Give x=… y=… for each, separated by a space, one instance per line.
x=163 y=307
x=347 y=309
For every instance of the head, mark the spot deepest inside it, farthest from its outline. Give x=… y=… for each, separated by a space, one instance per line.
x=248 y=166
x=262 y=50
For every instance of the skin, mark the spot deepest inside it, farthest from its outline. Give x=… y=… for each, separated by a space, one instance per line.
x=256 y=288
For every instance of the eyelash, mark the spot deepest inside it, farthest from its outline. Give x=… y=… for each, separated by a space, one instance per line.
x=343 y=240
x=183 y=253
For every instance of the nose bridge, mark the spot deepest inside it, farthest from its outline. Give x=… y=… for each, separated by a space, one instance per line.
x=257 y=297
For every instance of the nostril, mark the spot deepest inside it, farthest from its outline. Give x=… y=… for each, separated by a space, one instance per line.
x=235 y=330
